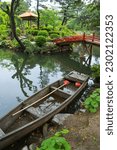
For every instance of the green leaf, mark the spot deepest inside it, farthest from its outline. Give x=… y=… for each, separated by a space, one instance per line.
x=65 y=131
x=93 y=110
x=58 y=134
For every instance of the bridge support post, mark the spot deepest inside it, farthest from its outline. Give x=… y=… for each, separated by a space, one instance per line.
x=84 y=36
x=93 y=37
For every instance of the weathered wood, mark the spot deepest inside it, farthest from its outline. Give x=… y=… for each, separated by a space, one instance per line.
x=1 y=133
x=60 y=92
x=34 y=112
x=76 y=76
x=38 y=100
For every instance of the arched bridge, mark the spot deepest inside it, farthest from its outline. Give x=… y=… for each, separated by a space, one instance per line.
x=93 y=39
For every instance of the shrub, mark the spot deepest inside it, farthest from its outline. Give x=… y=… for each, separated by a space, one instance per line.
x=93 y=101
x=96 y=72
x=29 y=47
x=48 y=28
x=40 y=40
x=54 y=32
x=33 y=32
x=56 y=142
x=18 y=31
x=43 y=33
x=54 y=36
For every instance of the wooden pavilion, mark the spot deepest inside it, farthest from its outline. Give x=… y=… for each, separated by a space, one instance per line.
x=29 y=16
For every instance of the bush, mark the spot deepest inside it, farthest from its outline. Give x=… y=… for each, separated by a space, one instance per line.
x=43 y=33
x=33 y=32
x=40 y=40
x=48 y=28
x=54 y=36
x=56 y=142
x=30 y=48
x=96 y=72
x=93 y=101
x=54 y=32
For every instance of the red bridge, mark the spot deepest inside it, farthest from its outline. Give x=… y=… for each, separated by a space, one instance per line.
x=79 y=38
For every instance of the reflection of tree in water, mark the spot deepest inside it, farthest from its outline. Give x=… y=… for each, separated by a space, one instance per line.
x=46 y=66
x=21 y=72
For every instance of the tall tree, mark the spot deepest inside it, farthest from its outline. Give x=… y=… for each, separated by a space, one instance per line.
x=23 y=6
x=68 y=9
x=89 y=16
x=38 y=13
x=10 y=11
x=50 y=17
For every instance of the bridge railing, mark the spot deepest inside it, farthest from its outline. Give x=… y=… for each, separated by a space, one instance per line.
x=84 y=37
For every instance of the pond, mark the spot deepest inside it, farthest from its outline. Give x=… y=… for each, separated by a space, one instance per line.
x=22 y=75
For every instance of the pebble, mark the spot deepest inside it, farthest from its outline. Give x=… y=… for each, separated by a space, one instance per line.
x=32 y=146
x=82 y=110
x=25 y=148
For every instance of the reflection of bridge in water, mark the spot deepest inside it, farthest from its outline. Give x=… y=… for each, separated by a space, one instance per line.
x=93 y=39
x=87 y=40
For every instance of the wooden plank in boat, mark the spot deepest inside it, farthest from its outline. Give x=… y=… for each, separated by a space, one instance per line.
x=75 y=76
x=1 y=133
x=33 y=111
x=61 y=92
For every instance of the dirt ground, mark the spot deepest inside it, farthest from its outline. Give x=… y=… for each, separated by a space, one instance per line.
x=84 y=131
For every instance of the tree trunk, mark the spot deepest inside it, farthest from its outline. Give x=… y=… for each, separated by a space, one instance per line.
x=38 y=20
x=13 y=28
x=38 y=13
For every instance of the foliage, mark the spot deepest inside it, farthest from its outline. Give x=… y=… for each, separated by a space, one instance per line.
x=33 y=32
x=56 y=142
x=23 y=6
x=93 y=101
x=54 y=32
x=30 y=48
x=9 y=44
x=10 y=10
x=89 y=16
x=48 y=28
x=96 y=72
x=43 y=33
x=40 y=40
x=54 y=36
x=49 y=18
x=68 y=9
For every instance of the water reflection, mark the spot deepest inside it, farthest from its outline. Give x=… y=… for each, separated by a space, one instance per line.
x=21 y=76
x=21 y=71
x=86 y=54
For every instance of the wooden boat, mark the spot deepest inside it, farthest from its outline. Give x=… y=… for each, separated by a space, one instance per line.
x=40 y=107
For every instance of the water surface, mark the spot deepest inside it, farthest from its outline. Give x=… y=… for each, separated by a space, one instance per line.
x=21 y=75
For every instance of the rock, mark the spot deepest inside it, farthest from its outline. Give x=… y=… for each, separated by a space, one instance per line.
x=60 y=118
x=82 y=110
x=32 y=146
x=25 y=148
x=45 y=130
x=90 y=82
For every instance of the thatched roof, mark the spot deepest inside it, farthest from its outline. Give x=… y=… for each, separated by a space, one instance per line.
x=28 y=16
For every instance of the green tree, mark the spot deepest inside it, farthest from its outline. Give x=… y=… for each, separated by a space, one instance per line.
x=89 y=16
x=49 y=18
x=23 y=6
x=68 y=9
x=10 y=10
